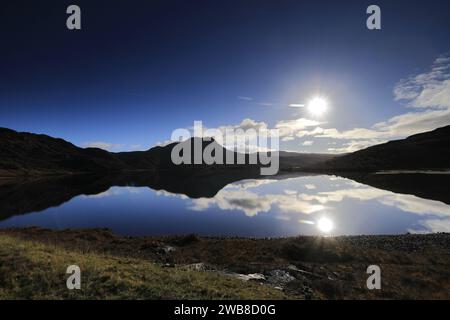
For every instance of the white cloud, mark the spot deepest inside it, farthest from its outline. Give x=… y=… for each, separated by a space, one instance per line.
x=413 y=122
x=404 y=202
x=169 y=194
x=428 y=92
x=113 y=147
x=249 y=184
x=104 y=194
x=290 y=127
x=113 y=191
x=242 y=132
x=245 y=98
x=252 y=203
x=308 y=143
x=357 y=133
x=247 y=124
x=305 y=133
x=429 y=89
x=163 y=143
x=355 y=145
x=433 y=225
x=410 y=203
x=102 y=145
x=248 y=197
x=291 y=201
x=249 y=133
x=364 y=194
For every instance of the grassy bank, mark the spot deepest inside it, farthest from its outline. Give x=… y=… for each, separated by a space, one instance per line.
x=32 y=270
x=33 y=262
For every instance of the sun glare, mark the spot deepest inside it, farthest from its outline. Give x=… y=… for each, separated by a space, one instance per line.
x=325 y=225
x=317 y=106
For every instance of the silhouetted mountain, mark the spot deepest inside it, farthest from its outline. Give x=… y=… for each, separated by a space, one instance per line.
x=36 y=154
x=229 y=159
x=426 y=151
x=288 y=160
x=161 y=155
x=28 y=153
x=429 y=150
x=302 y=161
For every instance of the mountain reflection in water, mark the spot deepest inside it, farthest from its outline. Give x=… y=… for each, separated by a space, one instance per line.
x=236 y=204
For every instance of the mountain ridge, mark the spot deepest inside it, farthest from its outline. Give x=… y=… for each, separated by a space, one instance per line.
x=24 y=153
x=422 y=151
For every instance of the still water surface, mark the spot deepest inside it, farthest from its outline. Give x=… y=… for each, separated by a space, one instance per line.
x=302 y=205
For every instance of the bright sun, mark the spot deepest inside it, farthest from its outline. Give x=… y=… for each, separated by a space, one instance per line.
x=325 y=225
x=317 y=106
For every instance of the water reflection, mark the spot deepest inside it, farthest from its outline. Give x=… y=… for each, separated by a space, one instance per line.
x=325 y=225
x=253 y=198
x=231 y=204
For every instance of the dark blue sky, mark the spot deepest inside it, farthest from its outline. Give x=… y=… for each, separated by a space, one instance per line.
x=139 y=69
